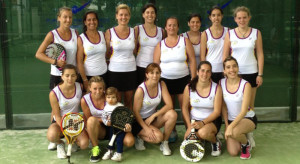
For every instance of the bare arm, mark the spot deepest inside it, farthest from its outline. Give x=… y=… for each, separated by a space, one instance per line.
x=40 y=53
x=107 y=40
x=203 y=46
x=55 y=107
x=80 y=63
x=191 y=55
x=137 y=105
x=136 y=34
x=167 y=100
x=260 y=58
x=185 y=107
x=226 y=49
x=157 y=53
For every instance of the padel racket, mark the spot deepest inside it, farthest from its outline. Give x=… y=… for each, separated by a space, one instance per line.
x=72 y=125
x=56 y=51
x=191 y=148
x=119 y=118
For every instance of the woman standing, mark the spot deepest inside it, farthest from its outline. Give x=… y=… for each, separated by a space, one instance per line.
x=91 y=50
x=149 y=120
x=65 y=36
x=239 y=117
x=92 y=105
x=148 y=37
x=65 y=98
x=212 y=43
x=205 y=99
x=194 y=35
x=120 y=40
x=172 y=55
x=246 y=46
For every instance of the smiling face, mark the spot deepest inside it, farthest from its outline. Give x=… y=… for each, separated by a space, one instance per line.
x=69 y=76
x=97 y=89
x=204 y=73
x=242 y=19
x=231 y=69
x=216 y=16
x=91 y=21
x=194 y=24
x=123 y=16
x=172 y=26
x=153 y=75
x=149 y=15
x=65 y=18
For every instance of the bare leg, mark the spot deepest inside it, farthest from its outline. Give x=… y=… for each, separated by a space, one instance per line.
x=168 y=121
x=95 y=130
x=157 y=133
x=208 y=132
x=83 y=140
x=128 y=97
x=54 y=133
x=128 y=140
x=253 y=94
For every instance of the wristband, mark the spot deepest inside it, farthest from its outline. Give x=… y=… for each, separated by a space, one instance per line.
x=85 y=80
x=203 y=122
x=55 y=62
x=260 y=75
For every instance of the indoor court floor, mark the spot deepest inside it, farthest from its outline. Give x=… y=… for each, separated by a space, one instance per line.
x=276 y=143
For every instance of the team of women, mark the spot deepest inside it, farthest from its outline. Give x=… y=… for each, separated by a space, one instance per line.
x=211 y=73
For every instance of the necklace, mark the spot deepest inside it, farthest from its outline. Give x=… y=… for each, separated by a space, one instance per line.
x=242 y=33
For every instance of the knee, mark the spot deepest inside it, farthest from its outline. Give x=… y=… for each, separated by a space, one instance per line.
x=203 y=134
x=91 y=121
x=172 y=115
x=128 y=141
x=53 y=135
x=232 y=152
x=83 y=143
x=236 y=133
x=159 y=137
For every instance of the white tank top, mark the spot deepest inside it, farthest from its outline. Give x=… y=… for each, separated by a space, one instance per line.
x=243 y=49
x=94 y=55
x=214 y=50
x=196 y=47
x=122 y=58
x=234 y=100
x=149 y=103
x=67 y=105
x=69 y=45
x=173 y=60
x=94 y=110
x=202 y=107
x=108 y=109
x=147 y=45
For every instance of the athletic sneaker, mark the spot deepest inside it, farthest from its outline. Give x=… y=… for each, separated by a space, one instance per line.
x=74 y=148
x=139 y=143
x=245 y=152
x=216 y=148
x=164 y=147
x=117 y=157
x=250 y=137
x=61 y=153
x=52 y=146
x=95 y=154
x=107 y=155
x=173 y=137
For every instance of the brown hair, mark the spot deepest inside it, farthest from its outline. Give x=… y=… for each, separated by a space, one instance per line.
x=97 y=79
x=194 y=81
x=64 y=8
x=111 y=91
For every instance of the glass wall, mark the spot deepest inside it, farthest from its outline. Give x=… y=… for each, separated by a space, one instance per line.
x=28 y=21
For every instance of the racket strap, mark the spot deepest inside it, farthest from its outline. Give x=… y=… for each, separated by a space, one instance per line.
x=69 y=150
x=111 y=142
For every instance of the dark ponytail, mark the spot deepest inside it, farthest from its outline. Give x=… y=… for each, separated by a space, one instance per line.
x=84 y=19
x=194 y=81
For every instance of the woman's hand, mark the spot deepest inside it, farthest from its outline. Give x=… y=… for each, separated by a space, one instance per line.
x=228 y=132
x=150 y=119
x=61 y=63
x=150 y=134
x=197 y=125
x=259 y=81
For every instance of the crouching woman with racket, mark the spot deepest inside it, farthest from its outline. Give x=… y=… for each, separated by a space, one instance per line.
x=65 y=98
x=149 y=120
x=92 y=105
x=238 y=116
x=205 y=99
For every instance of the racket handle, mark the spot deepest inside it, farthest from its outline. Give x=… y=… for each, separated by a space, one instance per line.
x=111 y=142
x=69 y=150
x=193 y=129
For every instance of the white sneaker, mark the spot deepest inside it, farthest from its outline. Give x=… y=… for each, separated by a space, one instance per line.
x=52 y=146
x=61 y=153
x=220 y=135
x=164 y=147
x=74 y=148
x=216 y=148
x=250 y=137
x=139 y=143
x=117 y=157
x=107 y=155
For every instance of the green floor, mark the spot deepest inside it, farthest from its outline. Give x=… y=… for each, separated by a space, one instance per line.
x=276 y=143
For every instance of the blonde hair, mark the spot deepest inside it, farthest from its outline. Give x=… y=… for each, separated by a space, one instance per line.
x=241 y=8
x=111 y=91
x=97 y=79
x=123 y=6
x=64 y=8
